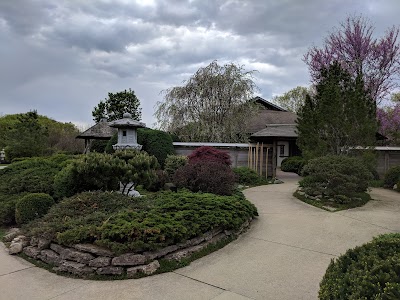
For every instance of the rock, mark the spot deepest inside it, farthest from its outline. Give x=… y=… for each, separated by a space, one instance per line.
x=50 y=257
x=228 y=232
x=395 y=187
x=100 y=251
x=169 y=186
x=278 y=181
x=77 y=256
x=23 y=239
x=57 y=248
x=74 y=268
x=32 y=251
x=330 y=208
x=178 y=255
x=146 y=269
x=34 y=241
x=110 y=270
x=301 y=193
x=11 y=234
x=101 y=261
x=43 y=243
x=15 y=248
x=160 y=253
x=128 y=259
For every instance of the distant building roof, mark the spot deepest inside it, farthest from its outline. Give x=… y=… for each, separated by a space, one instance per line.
x=265 y=116
x=277 y=130
x=101 y=131
x=268 y=104
x=127 y=121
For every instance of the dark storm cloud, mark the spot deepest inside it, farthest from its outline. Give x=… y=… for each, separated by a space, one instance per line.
x=62 y=57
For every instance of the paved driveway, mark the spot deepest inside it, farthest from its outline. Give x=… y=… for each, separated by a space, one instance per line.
x=283 y=256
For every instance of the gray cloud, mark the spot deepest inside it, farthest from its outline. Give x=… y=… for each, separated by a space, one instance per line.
x=63 y=57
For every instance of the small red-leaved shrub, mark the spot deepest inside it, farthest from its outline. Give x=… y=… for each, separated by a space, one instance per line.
x=210 y=154
x=207 y=176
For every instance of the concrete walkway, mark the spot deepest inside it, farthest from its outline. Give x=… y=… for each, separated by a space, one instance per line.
x=283 y=256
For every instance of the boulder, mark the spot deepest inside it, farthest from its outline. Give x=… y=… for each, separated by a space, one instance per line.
x=110 y=270
x=99 y=251
x=34 y=241
x=57 y=248
x=50 y=257
x=178 y=255
x=43 y=243
x=15 y=248
x=160 y=253
x=128 y=259
x=23 y=239
x=32 y=251
x=74 y=268
x=146 y=269
x=101 y=261
x=11 y=234
x=77 y=256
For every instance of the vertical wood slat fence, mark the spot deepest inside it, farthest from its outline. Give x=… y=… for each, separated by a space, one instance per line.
x=260 y=159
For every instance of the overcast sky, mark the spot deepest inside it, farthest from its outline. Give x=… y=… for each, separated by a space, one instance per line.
x=62 y=57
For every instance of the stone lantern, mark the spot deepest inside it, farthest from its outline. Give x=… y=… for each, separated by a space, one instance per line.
x=127 y=134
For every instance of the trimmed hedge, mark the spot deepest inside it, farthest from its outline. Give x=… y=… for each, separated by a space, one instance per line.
x=174 y=162
x=124 y=225
x=207 y=176
x=156 y=142
x=32 y=206
x=370 y=271
x=7 y=208
x=293 y=164
x=335 y=176
x=247 y=176
x=392 y=176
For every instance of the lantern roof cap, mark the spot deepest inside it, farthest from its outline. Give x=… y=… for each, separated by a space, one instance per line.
x=126 y=122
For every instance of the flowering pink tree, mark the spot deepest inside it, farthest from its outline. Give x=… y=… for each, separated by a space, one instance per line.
x=389 y=123
x=355 y=48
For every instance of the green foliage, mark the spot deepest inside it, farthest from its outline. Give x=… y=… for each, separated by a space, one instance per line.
x=33 y=175
x=341 y=115
x=156 y=142
x=96 y=171
x=32 y=206
x=99 y=146
x=292 y=100
x=7 y=208
x=110 y=143
x=209 y=153
x=332 y=176
x=392 y=176
x=124 y=224
x=370 y=271
x=116 y=105
x=174 y=162
x=206 y=176
x=247 y=176
x=293 y=164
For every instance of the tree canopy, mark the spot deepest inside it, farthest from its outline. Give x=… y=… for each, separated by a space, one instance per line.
x=213 y=105
x=293 y=99
x=339 y=116
x=389 y=123
x=116 y=105
x=357 y=51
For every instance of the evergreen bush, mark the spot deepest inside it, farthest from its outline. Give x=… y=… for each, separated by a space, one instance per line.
x=207 y=176
x=174 y=162
x=370 y=271
x=247 y=176
x=335 y=175
x=392 y=176
x=32 y=206
x=293 y=164
x=156 y=142
x=7 y=208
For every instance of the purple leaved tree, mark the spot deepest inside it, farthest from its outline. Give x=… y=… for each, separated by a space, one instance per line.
x=389 y=123
x=355 y=48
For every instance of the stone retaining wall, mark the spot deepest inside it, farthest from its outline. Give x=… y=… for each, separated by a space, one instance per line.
x=87 y=259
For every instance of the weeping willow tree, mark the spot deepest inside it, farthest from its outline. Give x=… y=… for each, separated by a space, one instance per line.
x=214 y=105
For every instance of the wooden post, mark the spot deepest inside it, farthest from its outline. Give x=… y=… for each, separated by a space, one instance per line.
x=266 y=163
x=248 y=156
x=274 y=158
x=256 y=160
x=261 y=158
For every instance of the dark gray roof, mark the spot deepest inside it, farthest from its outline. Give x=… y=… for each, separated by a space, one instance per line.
x=101 y=131
x=268 y=104
x=265 y=116
x=277 y=130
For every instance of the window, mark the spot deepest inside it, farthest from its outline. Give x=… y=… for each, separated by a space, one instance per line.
x=124 y=133
x=281 y=150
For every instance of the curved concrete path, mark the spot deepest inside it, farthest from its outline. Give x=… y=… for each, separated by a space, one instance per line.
x=283 y=256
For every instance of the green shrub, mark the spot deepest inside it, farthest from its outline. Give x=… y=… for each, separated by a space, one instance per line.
x=96 y=171
x=392 y=176
x=109 y=147
x=371 y=271
x=247 y=176
x=398 y=186
x=207 y=176
x=98 y=146
x=174 y=162
x=32 y=206
x=7 y=208
x=123 y=224
x=33 y=175
x=335 y=175
x=156 y=142
x=293 y=164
